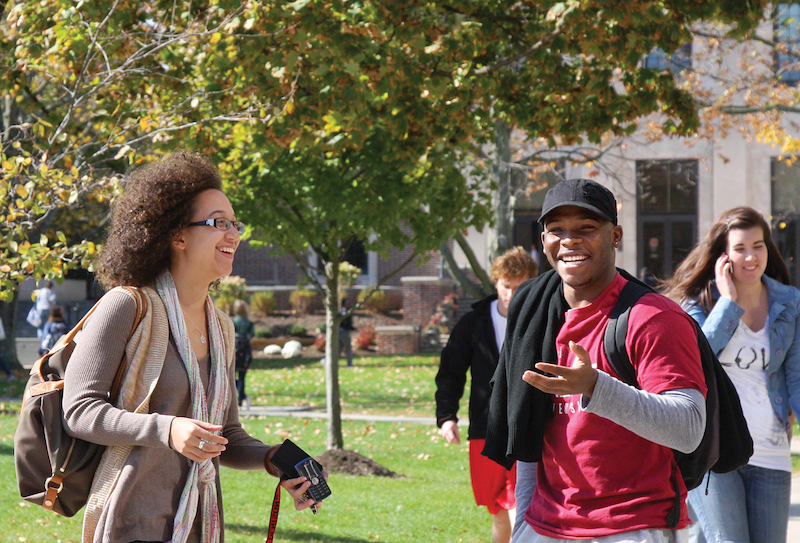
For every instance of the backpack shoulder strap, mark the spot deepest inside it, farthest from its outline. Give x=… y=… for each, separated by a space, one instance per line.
x=141 y=308
x=617 y=330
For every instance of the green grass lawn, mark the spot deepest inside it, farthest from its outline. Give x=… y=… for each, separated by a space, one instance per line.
x=432 y=502
x=385 y=385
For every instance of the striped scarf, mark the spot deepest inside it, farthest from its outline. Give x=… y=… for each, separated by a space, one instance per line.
x=201 y=473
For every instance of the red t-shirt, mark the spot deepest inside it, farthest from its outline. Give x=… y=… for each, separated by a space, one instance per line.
x=596 y=478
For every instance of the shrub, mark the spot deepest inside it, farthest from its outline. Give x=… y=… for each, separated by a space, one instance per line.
x=444 y=318
x=225 y=302
x=373 y=300
x=319 y=344
x=348 y=274
x=263 y=331
x=232 y=285
x=262 y=303
x=296 y=329
x=301 y=300
x=321 y=327
x=366 y=337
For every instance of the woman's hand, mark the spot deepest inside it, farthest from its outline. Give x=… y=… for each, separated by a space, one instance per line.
x=723 y=277
x=195 y=439
x=297 y=490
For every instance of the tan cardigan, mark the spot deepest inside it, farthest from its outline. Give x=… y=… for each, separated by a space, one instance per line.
x=137 y=438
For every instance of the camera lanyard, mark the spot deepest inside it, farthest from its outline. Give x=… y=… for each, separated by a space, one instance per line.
x=273 y=516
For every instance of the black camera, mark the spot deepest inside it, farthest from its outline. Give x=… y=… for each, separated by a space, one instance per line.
x=295 y=462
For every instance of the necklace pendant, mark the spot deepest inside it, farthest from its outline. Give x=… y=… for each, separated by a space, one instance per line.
x=202 y=339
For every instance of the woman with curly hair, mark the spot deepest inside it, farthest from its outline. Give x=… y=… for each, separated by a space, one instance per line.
x=173 y=234
x=736 y=285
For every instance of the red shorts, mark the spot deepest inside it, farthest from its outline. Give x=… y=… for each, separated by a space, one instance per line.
x=492 y=484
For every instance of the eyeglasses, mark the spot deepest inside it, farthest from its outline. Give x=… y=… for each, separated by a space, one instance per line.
x=220 y=224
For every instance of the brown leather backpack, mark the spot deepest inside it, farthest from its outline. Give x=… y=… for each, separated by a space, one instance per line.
x=55 y=470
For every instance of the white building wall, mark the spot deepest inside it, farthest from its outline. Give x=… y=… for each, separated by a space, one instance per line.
x=479 y=243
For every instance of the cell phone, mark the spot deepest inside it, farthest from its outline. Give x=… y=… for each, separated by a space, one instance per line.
x=295 y=462
x=319 y=489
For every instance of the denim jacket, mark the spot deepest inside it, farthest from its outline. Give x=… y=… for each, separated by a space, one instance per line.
x=783 y=382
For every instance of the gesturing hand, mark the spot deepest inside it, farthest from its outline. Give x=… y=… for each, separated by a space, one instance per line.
x=195 y=439
x=579 y=378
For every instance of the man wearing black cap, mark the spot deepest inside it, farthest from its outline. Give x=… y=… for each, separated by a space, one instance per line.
x=606 y=471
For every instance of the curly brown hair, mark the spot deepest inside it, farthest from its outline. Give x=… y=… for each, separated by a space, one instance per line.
x=513 y=264
x=694 y=277
x=157 y=201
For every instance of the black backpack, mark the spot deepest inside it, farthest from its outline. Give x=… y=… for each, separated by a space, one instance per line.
x=726 y=443
x=244 y=351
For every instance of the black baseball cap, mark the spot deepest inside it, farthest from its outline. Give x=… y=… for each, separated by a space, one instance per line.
x=583 y=193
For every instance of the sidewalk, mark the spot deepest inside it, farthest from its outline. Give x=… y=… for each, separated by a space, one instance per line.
x=318 y=412
x=794 y=508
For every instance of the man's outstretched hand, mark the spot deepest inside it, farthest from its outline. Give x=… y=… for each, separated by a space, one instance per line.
x=579 y=378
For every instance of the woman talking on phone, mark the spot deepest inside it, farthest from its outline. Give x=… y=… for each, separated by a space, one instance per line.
x=736 y=286
x=173 y=234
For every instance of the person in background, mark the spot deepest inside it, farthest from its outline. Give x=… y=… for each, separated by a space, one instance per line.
x=45 y=300
x=245 y=330
x=3 y=363
x=54 y=328
x=173 y=234
x=345 y=329
x=735 y=284
x=474 y=346
x=557 y=401
x=4 y=366
x=536 y=255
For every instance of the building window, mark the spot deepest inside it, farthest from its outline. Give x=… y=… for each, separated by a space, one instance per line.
x=787 y=39
x=667 y=214
x=678 y=61
x=356 y=255
x=786 y=213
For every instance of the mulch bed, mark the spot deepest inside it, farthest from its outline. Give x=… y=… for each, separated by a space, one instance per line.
x=335 y=460
x=352 y=463
x=279 y=323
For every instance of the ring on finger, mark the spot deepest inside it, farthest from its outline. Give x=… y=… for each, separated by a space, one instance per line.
x=202 y=444
x=303 y=497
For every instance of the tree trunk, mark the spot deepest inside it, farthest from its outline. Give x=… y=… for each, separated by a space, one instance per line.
x=332 y=390
x=458 y=275
x=8 y=346
x=480 y=273
x=501 y=236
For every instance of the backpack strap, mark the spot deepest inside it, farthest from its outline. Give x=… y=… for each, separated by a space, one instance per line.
x=617 y=330
x=141 y=309
x=617 y=354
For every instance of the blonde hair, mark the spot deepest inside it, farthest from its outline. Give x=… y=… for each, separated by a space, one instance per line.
x=240 y=308
x=513 y=264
